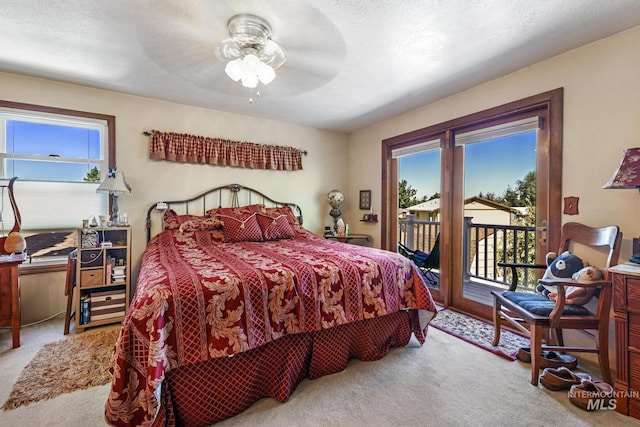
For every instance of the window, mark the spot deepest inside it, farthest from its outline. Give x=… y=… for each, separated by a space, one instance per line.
x=59 y=157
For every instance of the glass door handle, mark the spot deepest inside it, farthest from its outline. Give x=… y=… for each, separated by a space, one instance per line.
x=542 y=232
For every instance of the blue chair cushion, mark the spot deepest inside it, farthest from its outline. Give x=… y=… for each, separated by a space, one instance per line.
x=541 y=305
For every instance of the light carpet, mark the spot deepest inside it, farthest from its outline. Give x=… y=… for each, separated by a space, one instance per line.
x=479 y=332
x=446 y=382
x=64 y=366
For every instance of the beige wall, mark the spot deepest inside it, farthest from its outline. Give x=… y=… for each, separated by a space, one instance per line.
x=601 y=84
x=601 y=118
x=601 y=111
x=324 y=168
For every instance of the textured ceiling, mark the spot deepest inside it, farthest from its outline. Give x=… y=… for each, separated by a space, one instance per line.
x=350 y=63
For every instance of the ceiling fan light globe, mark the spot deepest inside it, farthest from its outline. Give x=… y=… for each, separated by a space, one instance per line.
x=234 y=69
x=250 y=80
x=251 y=63
x=266 y=74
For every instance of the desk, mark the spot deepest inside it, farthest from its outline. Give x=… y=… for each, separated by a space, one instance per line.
x=349 y=238
x=10 y=293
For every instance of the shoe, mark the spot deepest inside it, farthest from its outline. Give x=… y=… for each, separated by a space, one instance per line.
x=591 y=395
x=556 y=360
x=561 y=378
x=550 y=359
x=524 y=354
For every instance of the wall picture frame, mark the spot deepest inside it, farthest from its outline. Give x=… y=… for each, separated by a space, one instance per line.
x=365 y=199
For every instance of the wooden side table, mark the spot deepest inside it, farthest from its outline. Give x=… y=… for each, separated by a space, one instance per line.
x=349 y=238
x=10 y=293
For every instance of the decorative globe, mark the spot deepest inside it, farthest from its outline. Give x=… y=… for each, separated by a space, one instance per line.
x=335 y=198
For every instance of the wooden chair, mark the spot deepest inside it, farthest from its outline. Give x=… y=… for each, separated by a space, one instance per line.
x=68 y=288
x=544 y=318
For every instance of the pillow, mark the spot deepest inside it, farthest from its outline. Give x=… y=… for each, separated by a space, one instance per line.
x=241 y=228
x=283 y=210
x=274 y=228
x=202 y=223
x=242 y=210
x=173 y=221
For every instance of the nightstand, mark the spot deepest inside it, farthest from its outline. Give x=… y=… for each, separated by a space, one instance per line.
x=350 y=238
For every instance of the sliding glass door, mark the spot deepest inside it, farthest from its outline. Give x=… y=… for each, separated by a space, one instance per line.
x=419 y=170
x=499 y=196
x=496 y=207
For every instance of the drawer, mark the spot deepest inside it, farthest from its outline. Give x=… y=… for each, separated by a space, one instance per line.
x=108 y=304
x=634 y=371
x=91 y=258
x=634 y=330
x=93 y=277
x=633 y=293
x=634 y=408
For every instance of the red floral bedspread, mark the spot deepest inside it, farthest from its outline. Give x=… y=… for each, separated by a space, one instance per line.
x=197 y=299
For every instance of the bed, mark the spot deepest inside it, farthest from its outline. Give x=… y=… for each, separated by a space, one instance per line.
x=225 y=313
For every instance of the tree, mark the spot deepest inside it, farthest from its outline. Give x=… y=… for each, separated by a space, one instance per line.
x=93 y=175
x=524 y=195
x=405 y=194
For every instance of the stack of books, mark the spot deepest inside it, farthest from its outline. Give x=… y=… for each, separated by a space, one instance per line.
x=85 y=309
x=118 y=273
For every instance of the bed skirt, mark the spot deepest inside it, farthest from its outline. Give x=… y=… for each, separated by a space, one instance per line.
x=208 y=392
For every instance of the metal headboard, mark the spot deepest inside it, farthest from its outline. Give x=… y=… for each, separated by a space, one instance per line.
x=232 y=195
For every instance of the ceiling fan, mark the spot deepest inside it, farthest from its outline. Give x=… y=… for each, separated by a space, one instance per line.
x=194 y=45
x=250 y=53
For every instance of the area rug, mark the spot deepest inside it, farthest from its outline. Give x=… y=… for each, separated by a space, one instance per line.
x=64 y=366
x=479 y=332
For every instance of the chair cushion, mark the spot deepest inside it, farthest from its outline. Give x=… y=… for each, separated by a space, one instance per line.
x=540 y=305
x=420 y=258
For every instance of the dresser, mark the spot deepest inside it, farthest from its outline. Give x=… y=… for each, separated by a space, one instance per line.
x=626 y=312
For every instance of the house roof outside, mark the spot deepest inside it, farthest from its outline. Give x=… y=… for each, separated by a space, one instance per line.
x=433 y=206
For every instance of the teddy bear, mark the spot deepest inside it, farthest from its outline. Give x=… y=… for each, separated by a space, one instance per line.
x=569 y=266
x=577 y=295
x=561 y=266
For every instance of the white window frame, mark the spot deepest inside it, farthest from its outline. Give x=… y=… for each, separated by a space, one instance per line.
x=105 y=124
x=8 y=114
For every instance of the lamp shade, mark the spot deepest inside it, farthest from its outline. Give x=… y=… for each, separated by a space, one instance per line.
x=114 y=183
x=335 y=198
x=627 y=176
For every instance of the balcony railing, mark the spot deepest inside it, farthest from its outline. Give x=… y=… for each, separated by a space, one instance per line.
x=485 y=246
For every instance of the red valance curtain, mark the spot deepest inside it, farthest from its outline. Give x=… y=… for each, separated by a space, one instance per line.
x=180 y=147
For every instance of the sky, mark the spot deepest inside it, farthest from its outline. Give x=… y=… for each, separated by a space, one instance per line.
x=38 y=139
x=490 y=166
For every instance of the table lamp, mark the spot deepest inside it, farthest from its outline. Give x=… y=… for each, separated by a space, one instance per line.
x=627 y=176
x=115 y=184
